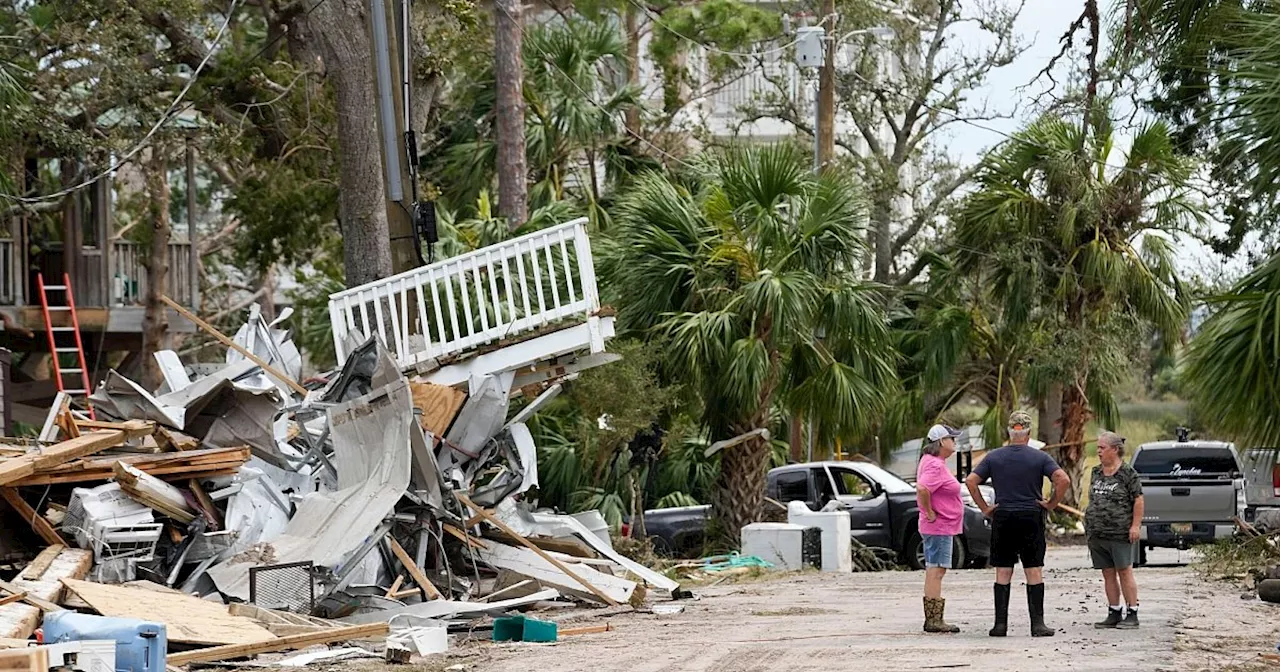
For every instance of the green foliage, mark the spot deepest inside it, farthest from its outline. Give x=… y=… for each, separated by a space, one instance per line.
x=724 y=25
x=1232 y=366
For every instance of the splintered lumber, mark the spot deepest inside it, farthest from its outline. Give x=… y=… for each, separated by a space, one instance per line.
x=30 y=659
x=439 y=405
x=40 y=565
x=414 y=571
x=373 y=630
x=33 y=518
x=9 y=599
x=20 y=619
x=565 y=576
x=585 y=630
x=235 y=346
x=206 y=504
x=179 y=466
x=16 y=468
x=395 y=585
x=133 y=429
x=153 y=493
x=464 y=537
x=187 y=619
x=175 y=440
x=283 y=623
x=496 y=522
x=571 y=547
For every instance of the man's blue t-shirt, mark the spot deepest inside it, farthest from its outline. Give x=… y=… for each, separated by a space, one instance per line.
x=1018 y=474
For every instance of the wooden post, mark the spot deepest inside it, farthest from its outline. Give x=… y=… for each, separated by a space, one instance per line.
x=234 y=346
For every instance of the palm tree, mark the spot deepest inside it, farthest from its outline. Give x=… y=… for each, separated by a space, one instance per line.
x=1074 y=246
x=744 y=273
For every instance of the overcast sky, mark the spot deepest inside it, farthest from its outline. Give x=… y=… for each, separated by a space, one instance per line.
x=1041 y=25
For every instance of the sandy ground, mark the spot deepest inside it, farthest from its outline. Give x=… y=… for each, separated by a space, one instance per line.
x=814 y=621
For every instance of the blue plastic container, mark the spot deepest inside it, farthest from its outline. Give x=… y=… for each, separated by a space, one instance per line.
x=140 y=645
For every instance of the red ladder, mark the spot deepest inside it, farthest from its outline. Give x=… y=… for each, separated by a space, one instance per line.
x=69 y=306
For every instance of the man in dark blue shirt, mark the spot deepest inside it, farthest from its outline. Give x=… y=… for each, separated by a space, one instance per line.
x=1018 y=517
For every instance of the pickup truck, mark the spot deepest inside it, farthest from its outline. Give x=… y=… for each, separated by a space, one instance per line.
x=882 y=512
x=1193 y=491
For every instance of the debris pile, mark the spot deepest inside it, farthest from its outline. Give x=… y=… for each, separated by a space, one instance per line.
x=243 y=513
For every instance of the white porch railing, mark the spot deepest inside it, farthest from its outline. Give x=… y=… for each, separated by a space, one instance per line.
x=494 y=293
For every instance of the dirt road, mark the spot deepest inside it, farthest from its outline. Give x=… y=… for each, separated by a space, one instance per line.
x=872 y=622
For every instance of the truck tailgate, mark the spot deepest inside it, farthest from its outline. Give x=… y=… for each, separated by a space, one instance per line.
x=1188 y=501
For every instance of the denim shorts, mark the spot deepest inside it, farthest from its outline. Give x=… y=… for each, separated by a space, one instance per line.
x=937 y=550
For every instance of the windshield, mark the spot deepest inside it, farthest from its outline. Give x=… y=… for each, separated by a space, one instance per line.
x=891 y=482
x=1188 y=461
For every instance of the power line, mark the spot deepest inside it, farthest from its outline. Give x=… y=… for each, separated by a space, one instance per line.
x=169 y=113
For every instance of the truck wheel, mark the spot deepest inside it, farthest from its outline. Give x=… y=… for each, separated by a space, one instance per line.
x=1142 y=556
x=914 y=551
x=1269 y=590
x=959 y=557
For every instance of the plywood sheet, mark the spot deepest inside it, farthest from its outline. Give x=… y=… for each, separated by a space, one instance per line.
x=188 y=620
x=439 y=405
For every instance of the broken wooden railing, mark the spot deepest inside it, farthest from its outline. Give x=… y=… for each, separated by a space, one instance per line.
x=540 y=282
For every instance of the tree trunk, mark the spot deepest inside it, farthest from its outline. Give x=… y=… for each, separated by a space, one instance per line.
x=632 y=25
x=882 y=227
x=1071 y=455
x=342 y=29
x=509 y=74
x=155 y=321
x=1049 y=426
x=739 y=495
x=797 y=438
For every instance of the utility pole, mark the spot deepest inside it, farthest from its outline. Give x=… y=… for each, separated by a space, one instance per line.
x=509 y=73
x=826 y=129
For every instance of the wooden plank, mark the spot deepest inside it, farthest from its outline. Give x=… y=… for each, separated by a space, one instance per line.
x=187 y=619
x=395 y=585
x=34 y=519
x=33 y=600
x=571 y=547
x=40 y=565
x=464 y=537
x=440 y=405
x=527 y=563
x=133 y=429
x=20 y=619
x=174 y=473
x=496 y=522
x=412 y=567
x=16 y=468
x=15 y=597
x=30 y=659
x=235 y=346
x=154 y=493
x=172 y=439
x=206 y=505
x=373 y=630
x=584 y=630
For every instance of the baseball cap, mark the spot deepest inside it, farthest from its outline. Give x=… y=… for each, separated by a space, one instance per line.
x=1020 y=420
x=940 y=432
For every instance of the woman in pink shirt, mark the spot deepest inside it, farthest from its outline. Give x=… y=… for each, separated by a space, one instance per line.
x=941 y=519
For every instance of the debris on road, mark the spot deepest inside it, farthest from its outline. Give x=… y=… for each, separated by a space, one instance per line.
x=240 y=513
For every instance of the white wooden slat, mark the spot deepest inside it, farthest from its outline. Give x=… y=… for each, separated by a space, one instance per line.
x=493 y=291
x=377 y=315
x=568 y=267
x=480 y=300
x=551 y=274
x=406 y=318
x=438 y=309
x=448 y=344
x=339 y=329
x=365 y=325
x=419 y=288
x=524 y=284
x=513 y=315
x=537 y=281
x=461 y=275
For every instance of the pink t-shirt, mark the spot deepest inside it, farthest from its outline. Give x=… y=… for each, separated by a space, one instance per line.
x=944 y=497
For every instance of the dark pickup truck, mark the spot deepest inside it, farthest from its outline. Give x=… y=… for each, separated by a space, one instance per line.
x=882 y=512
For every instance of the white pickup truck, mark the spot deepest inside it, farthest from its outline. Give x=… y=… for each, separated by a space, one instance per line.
x=1193 y=492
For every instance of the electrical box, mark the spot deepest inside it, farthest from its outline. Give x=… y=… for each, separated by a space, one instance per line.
x=810 y=46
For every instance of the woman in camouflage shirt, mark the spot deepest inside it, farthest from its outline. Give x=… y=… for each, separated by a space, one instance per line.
x=1113 y=523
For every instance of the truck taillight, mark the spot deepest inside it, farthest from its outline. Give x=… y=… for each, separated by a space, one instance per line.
x=1275 y=480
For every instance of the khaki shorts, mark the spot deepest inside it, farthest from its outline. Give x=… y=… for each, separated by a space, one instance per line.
x=1108 y=554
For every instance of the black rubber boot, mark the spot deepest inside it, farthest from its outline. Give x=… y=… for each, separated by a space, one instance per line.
x=1035 y=605
x=1002 y=592
x=1130 y=621
x=1114 y=616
